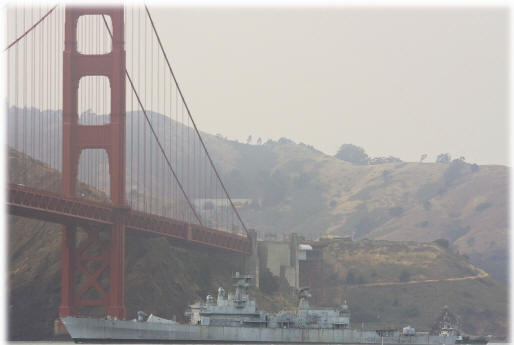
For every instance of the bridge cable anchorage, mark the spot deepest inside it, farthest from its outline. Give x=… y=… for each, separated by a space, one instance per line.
x=192 y=120
x=31 y=28
x=155 y=136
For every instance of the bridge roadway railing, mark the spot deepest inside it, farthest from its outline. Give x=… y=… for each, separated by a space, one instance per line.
x=44 y=205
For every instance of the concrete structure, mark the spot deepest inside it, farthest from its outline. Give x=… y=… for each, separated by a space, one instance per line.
x=281 y=259
x=299 y=262
x=252 y=262
x=310 y=270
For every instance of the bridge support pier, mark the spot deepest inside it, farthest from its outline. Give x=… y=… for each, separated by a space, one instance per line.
x=84 y=263
x=67 y=270
x=252 y=261
x=116 y=305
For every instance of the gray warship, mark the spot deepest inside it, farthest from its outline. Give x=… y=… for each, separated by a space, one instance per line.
x=234 y=318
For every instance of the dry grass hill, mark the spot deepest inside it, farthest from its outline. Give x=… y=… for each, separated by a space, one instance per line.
x=392 y=284
x=296 y=188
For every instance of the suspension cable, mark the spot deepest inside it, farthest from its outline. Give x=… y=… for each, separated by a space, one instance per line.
x=31 y=28
x=193 y=122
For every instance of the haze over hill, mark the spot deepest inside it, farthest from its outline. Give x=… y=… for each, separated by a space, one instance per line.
x=424 y=276
x=296 y=188
x=300 y=189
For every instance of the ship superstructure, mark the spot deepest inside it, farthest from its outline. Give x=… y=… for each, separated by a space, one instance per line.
x=238 y=310
x=232 y=310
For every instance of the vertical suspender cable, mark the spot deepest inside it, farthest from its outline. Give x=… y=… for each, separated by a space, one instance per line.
x=53 y=117
x=170 y=183
x=37 y=138
x=40 y=87
x=33 y=103
x=47 y=151
x=182 y=146
x=150 y=142
x=46 y=147
x=139 y=158
x=157 y=160
x=54 y=110
x=144 y=128
x=86 y=86
x=132 y=113
x=99 y=109
x=163 y=188
x=188 y=158
x=16 y=81
x=25 y=104
x=22 y=100
x=8 y=84
x=9 y=100
x=176 y=140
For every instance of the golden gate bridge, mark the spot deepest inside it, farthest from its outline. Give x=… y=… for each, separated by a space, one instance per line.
x=92 y=97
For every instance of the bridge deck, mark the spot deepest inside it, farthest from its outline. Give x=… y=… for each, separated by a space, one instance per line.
x=47 y=206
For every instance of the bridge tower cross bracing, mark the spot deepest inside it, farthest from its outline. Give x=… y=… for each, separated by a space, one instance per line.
x=111 y=138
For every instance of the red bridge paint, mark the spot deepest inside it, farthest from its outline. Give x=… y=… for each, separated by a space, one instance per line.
x=47 y=206
x=111 y=138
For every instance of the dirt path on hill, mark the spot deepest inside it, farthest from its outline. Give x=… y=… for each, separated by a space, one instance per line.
x=479 y=275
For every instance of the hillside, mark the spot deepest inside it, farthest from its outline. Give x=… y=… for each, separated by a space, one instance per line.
x=392 y=284
x=296 y=188
x=299 y=189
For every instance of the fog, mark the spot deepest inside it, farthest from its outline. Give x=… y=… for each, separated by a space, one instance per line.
x=395 y=81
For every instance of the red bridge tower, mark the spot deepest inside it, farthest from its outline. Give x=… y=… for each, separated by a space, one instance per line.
x=78 y=280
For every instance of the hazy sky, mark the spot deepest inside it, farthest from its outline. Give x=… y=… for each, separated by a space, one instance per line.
x=396 y=81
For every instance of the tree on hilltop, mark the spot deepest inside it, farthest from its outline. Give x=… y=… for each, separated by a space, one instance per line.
x=443 y=158
x=353 y=154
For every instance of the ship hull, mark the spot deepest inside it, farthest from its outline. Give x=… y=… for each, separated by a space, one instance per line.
x=90 y=330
